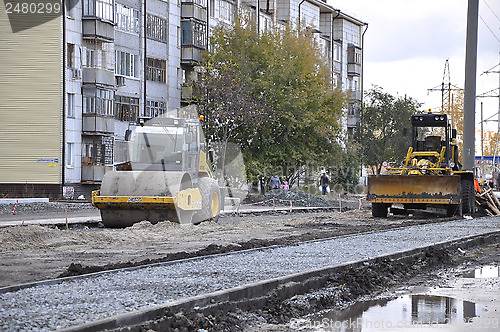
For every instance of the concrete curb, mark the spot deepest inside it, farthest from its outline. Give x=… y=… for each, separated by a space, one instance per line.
x=250 y=293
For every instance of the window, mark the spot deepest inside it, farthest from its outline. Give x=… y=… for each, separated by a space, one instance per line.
x=89 y=57
x=354 y=54
x=94 y=56
x=70 y=55
x=70 y=109
x=70 y=4
x=69 y=154
x=98 y=101
x=126 y=64
x=194 y=33
x=121 y=152
x=226 y=10
x=212 y=8
x=126 y=108
x=102 y=9
x=156 y=70
x=156 y=28
x=126 y=18
x=327 y=48
x=154 y=108
x=336 y=52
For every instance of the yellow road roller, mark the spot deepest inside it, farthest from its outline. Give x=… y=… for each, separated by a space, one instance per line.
x=167 y=178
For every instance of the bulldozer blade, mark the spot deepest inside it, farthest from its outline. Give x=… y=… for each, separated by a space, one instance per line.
x=405 y=189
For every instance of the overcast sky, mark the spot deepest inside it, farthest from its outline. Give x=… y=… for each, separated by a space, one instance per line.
x=408 y=42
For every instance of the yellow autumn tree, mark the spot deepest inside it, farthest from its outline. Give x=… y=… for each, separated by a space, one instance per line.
x=456 y=110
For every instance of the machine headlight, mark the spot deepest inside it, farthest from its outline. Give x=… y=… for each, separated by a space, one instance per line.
x=441 y=118
x=452 y=164
x=436 y=118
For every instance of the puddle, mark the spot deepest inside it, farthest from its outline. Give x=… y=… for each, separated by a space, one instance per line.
x=403 y=312
x=484 y=272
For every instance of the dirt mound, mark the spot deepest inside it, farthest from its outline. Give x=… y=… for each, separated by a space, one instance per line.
x=24 y=237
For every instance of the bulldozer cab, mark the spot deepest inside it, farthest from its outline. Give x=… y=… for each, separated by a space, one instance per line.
x=432 y=133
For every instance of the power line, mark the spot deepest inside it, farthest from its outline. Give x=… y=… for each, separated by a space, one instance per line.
x=491 y=10
x=489 y=28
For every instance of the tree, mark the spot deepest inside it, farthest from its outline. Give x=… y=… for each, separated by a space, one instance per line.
x=456 y=111
x=384 y=122
x=270 y=92
x=490 y=143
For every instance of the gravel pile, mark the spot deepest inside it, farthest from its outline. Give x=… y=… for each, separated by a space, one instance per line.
x=45 y=308
x=297 y=197
x=44 y=207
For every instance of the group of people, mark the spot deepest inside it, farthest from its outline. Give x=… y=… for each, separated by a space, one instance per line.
x=275 y=183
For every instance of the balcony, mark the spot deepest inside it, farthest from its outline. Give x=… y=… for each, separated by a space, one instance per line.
x=98 y=76
x=191 y=54
x=353 y=69
x=93 y=124
x=186 y=93
x=94 y=173
x=95 y=28
x=193 y=10
x=354 y=94
x=352 y=120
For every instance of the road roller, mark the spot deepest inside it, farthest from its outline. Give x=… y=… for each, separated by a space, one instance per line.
x=168 y=177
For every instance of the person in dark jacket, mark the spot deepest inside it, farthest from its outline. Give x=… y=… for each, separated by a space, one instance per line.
x=275 y=182
x=323 y=182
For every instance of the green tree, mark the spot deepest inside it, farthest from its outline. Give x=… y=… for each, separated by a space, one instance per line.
x=384 y=121
x=270 y=92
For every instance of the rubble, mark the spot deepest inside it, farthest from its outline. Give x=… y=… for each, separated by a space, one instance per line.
x=44 y=207
x=280 y=197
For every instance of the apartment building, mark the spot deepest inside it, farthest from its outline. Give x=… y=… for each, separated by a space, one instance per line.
x=112 y=61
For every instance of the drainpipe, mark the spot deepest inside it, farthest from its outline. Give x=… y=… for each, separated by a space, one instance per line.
x=300 y=4
x=145 y=58
x=63 y=154
x=362 y=62
x=258 y=16
x=332 y=40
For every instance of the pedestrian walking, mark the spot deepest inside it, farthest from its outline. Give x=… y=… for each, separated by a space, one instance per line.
x=285 y=185
x=275 y=182
x=323 y=182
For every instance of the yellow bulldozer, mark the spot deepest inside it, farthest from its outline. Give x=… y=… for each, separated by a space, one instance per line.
x=167 y=177
x=430 y=177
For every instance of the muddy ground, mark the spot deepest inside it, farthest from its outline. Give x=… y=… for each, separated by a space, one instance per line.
x=32 y=253
x=440 y=273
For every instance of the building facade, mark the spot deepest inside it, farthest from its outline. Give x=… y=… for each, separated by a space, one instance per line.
x=112 y=61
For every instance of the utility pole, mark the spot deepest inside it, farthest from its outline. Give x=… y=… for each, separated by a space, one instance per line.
x=446 y=88
x=491 y=93
x=470 y=85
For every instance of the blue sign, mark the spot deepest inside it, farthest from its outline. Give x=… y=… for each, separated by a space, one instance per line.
x=46 y=160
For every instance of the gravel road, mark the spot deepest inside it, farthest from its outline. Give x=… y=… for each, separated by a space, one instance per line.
x=46 y=308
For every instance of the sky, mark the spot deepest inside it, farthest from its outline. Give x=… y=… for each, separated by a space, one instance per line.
x=408 y=42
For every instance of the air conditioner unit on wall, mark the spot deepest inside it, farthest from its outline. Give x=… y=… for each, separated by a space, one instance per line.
x=76 y=73
x=120 y=80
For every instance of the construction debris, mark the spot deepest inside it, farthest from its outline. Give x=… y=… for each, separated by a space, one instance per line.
x=487 y=202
